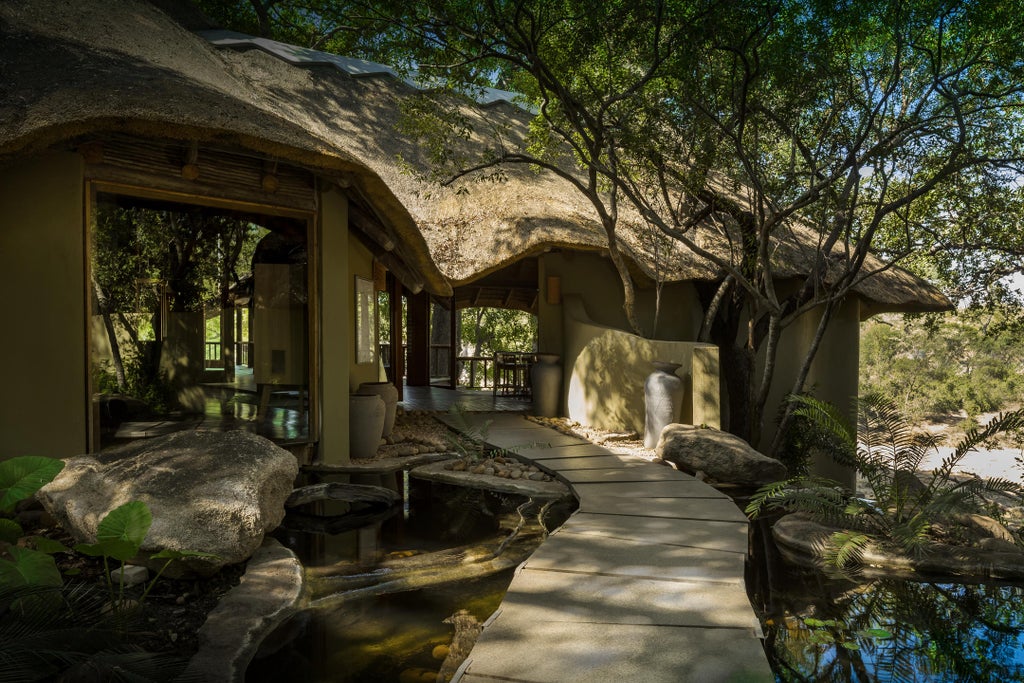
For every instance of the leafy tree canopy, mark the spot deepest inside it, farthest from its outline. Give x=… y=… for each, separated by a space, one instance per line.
x=889 y=125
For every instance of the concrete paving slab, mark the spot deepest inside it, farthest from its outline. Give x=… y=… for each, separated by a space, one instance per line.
x=722 y=510
x=729 y=536
x=592 y=462
x=484 y=420
x=542 y=595
x=595 y=653
x=625 y=474
x=690 y=488
x=529 y=438
x=546 y=452
x=587 y=554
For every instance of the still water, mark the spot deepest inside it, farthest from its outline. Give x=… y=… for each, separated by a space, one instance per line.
x=838 y=629
x=400 y=637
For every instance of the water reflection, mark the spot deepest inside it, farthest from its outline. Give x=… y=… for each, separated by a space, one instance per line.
x=837 y=629
x=403 y=636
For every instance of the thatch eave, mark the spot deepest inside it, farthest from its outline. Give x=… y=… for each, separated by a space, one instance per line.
x=118 y=67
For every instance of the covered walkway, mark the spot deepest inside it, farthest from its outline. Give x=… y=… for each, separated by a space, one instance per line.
x=469 y=400
x=644 y=582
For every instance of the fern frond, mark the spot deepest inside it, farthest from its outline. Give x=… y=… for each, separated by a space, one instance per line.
x=826 y=417
x=845 y=549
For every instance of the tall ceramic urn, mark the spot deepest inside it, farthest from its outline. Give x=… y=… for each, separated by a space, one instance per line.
x=365 y=425
x=546 y=385
x=389 y=394
x=663 y=398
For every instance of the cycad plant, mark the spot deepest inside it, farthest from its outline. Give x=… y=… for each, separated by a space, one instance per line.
x=888 y=453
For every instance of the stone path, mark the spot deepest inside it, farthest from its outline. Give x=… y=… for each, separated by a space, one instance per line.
x=644 y=582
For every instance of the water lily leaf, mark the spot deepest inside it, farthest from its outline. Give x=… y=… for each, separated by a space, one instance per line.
x=10 y=531
x=21 y=477
x=878 y=633
x=29 y=568
x=850 y=644
x=822 y=637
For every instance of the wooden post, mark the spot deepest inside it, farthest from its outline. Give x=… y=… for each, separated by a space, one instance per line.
x=418 y=327
x=453 y=346
x=397 y=360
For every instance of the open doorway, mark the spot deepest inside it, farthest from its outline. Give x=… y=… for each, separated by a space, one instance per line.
x=199 y=319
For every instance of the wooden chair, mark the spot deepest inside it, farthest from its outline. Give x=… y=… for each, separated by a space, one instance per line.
x=506 y=373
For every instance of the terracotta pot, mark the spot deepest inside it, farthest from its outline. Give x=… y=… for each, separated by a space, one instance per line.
x=663 y=399
x=365 y=425
x=389 y=394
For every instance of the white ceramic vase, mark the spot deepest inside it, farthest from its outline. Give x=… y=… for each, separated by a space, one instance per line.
x=389 y=394
x=365 y=425
x=663 y=399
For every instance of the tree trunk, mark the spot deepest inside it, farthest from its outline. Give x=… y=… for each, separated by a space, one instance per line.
x=108 y=324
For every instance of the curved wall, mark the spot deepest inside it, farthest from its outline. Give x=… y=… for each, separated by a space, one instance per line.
x=605 y=368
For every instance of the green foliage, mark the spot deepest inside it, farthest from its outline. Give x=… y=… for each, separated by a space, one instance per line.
x=935 y=365
x=50 y=633
x=836 y=632
x=120 y=533
x=21 y=477
x=487 y=330
x=28 y=568
x=888 y=454
x=119 y=536
x=887 y=125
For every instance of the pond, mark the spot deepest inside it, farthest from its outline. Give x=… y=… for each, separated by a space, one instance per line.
x=401 y=636
x=821 y=628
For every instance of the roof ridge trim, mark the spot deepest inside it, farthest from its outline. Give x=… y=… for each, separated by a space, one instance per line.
x=356 y=68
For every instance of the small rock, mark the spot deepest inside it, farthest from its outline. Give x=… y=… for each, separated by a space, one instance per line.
x=459 y=466
x=515 y=474
x=180 y=600
x=489 y=471
x=537 y=476
x=478 y=469
x=132 y=576
x=449 y=466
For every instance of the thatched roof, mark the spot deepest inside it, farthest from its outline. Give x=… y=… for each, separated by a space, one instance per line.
x=478 y=228
x=126 y=66
x=72 y=70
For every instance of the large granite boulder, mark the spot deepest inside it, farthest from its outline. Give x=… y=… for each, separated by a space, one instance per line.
x=213 y=492
x=721 y=456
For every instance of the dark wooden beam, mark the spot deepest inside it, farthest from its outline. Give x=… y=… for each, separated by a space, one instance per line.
x=418 y=327
x=397 y=360
x=453 y=346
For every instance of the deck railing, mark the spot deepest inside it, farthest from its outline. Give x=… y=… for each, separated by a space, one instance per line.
x=212 y=356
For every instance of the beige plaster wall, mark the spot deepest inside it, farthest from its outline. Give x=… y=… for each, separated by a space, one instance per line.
x=335 y=328
x=595 y=281
x=833 y=375
x=42 y=273
x=604 y=370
